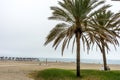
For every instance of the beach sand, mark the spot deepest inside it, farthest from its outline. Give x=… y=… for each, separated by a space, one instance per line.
x=19 y=70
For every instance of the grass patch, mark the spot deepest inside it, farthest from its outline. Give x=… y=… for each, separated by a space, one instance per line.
x=61 y=74
x=54 y=74
x=100 y=75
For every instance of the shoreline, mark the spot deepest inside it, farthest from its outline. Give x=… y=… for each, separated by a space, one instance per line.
x=48 y=64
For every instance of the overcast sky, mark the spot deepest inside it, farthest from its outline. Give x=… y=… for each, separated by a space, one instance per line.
x=24 y=26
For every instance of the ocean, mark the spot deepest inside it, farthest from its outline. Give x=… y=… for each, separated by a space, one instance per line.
x=95 y=61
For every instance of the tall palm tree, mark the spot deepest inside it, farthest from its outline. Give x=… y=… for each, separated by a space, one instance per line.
x=107 y=26
x=74 y=15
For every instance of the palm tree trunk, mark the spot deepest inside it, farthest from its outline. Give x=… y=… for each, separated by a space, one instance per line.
x=104 y=58
x=78 y=54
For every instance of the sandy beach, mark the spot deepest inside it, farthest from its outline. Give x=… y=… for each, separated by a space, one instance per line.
x=19 y=70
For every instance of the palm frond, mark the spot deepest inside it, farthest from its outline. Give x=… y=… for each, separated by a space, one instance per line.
x=59 y=28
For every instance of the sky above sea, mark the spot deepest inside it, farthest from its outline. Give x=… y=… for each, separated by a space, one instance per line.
x=24 y=26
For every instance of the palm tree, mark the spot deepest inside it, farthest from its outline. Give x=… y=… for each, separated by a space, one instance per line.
x=74 y=15
x=107 y=26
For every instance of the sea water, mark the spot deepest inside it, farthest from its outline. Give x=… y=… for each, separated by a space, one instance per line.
x=94 y=61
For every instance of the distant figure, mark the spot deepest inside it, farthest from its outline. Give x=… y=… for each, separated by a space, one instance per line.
x=46 y=61
x=108 y=68
x=39 y=63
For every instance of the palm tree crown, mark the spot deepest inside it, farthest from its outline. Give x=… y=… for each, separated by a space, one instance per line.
x=107 y=26
x=72 y=13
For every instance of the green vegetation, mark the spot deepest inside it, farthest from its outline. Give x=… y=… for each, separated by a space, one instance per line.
x=54 y=74
x=61 y=74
